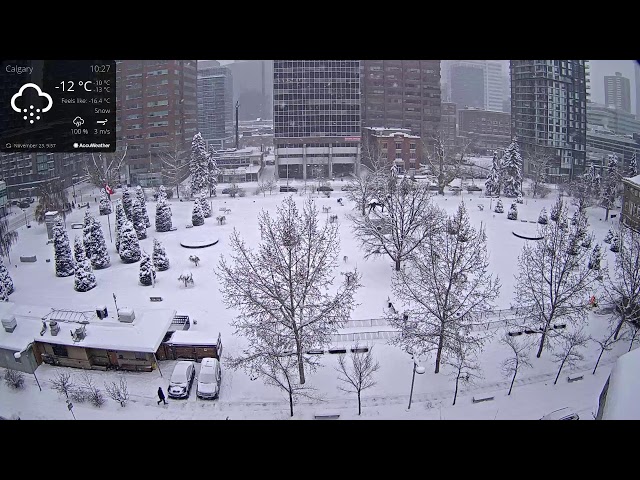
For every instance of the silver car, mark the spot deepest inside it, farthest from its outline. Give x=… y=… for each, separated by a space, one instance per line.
x=181 y=379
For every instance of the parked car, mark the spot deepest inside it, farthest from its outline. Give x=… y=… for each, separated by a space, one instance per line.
x=229 y=190
x=14 y=202
x=31 y=199
x=209 y=379
x=473 y=188
x=562 y=414
x=347 y=188
x=325 y=188
x=182 y=379
x=24 y=204
x=286 y=188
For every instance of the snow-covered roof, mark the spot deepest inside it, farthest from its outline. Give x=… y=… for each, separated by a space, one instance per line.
x=192 y=337
x=253 y=169
x=623 y=396
x=144 y=334
x=635 y=180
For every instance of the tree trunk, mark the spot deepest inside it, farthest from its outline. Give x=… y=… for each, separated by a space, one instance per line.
x=440 y=189
x=359 y=404
x=512 y=380
x=397 y=264
x=606 y=216
x=541 y=347
x=291 y=403
x=599 y=357
x=617 y=332
x=300 y=364
x=560 y=370
x=635 y=332
x=439 y=354
x=455 y=395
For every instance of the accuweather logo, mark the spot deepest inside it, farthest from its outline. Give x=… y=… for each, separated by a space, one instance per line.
x=32 y=113
x=91 y=145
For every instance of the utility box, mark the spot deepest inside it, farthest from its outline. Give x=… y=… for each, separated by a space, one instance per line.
x=50 y=219
x=54 y=327
x=101 y=312
x=126 y=315
x=9 y=323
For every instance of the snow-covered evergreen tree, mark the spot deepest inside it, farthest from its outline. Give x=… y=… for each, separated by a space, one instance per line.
x=147 y=270
x=127 y=202
x=105 y=204
x=543 y=218
x=513 y=212
x=610 y=188
x=205 y=205
x=499 y=207
x=6 y=283
x=596 y=256
x=519 y=199
x=197 y=217
x=160 y=260
x=633 y=166
x=138 y=221
x=78 y=249
x=556 y=209
x=198 y=165
x=608 y=236
x=94 y=244
x=163 y=216
x=615 y=243
x=62 y=249
x=129 y=246
x=492 y=185
x=162 y=192
x=85 y=279
x=143 y=202
x=511 y=171
x=212 y=172
x=121 y=217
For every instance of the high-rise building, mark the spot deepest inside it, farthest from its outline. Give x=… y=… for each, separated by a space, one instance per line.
x=156 y=112
x=215 y=107
x=548 y=113
x=637 y=75
x=449 y=123
x=402 y=94
x=617 y=92
x=476 y=84
x=316 y=117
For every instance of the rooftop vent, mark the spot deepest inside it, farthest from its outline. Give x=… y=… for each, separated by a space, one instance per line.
x=126 y=315
x=9 y=323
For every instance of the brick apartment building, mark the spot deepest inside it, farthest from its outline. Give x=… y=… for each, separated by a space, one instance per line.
x=630 y=215
x=397 y=146
x=156 y=111
x=448 y=124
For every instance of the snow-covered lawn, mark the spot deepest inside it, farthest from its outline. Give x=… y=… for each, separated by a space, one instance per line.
x=533 y=395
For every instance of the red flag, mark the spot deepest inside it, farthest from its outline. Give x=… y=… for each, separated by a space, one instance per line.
x=108 y=189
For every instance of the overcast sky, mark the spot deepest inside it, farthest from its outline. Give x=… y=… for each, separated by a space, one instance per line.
x=598 y=68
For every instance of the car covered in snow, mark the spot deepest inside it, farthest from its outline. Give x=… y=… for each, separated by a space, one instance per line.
x=286 y=188
x=209 y=379
x=182 y=379
x=325 y=188
x=562 y=414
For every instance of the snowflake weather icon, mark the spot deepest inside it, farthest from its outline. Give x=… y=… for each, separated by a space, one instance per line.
x=31 y=114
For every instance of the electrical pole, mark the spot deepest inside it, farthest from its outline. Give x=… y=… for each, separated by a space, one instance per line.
x=237 y=133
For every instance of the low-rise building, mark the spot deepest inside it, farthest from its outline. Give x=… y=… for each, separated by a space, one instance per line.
x=239 y=165
x=395 y=145
x=630 y=215
x=614 y=119
x=619 y=397
x=602 y=142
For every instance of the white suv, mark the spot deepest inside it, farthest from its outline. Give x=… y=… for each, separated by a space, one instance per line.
x=209 y=379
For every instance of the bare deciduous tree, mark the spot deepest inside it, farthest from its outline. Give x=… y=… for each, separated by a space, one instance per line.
x=92 y=392
x=7 y=238
x=14 y=378
x=447 y=286
x=569 y=353
x=51 y=197
x=118 y=391
x=63 y=384
x=175 y=166
x=623 y=288
x=605 y=345
x=104 y=168
x=358 y=375
x=553 y=283
x=539 y=167
x=519 y=358
x=270 y=357
x=402 y=227
x=445 y=162
x=462 y=359
x=369 y=183
x=287 y=284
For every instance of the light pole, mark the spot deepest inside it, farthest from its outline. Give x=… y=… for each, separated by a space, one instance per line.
x=416 y=369
x=18 y=355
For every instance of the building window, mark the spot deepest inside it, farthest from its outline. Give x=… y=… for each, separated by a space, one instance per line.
x=412 y=146
x=141 y=356
x=60 y=350
x=399 y=155
x=398 y=146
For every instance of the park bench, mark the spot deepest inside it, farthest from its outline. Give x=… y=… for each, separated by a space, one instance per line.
x=326 y=416
x=30 y=259
x=315 y=352
x=155 y=299
x=77 y=226
x=481 y=399
x=574 y=378
x=189 y=225
x=338 y=350
x=515 y=334
x=359 y=349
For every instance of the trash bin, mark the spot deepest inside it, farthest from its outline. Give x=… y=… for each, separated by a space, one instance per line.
x=101 y=312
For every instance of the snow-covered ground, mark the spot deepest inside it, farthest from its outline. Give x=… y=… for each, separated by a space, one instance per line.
x=534 y=394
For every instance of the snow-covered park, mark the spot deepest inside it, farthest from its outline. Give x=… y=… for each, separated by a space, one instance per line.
x=534 y=393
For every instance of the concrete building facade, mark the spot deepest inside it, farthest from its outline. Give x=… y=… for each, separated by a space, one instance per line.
x=614 y=119
x=487 y=130
x=449 y=123
x=316 y=105
x=215 y=107
x=617 y=92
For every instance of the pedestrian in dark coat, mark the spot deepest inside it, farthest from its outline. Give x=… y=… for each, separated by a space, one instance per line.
x=161 y=396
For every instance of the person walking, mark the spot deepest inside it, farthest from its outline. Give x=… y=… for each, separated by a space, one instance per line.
x=161 y=396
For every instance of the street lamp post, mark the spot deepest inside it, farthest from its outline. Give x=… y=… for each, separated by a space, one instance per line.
x=416 y=369
x=17 y=356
